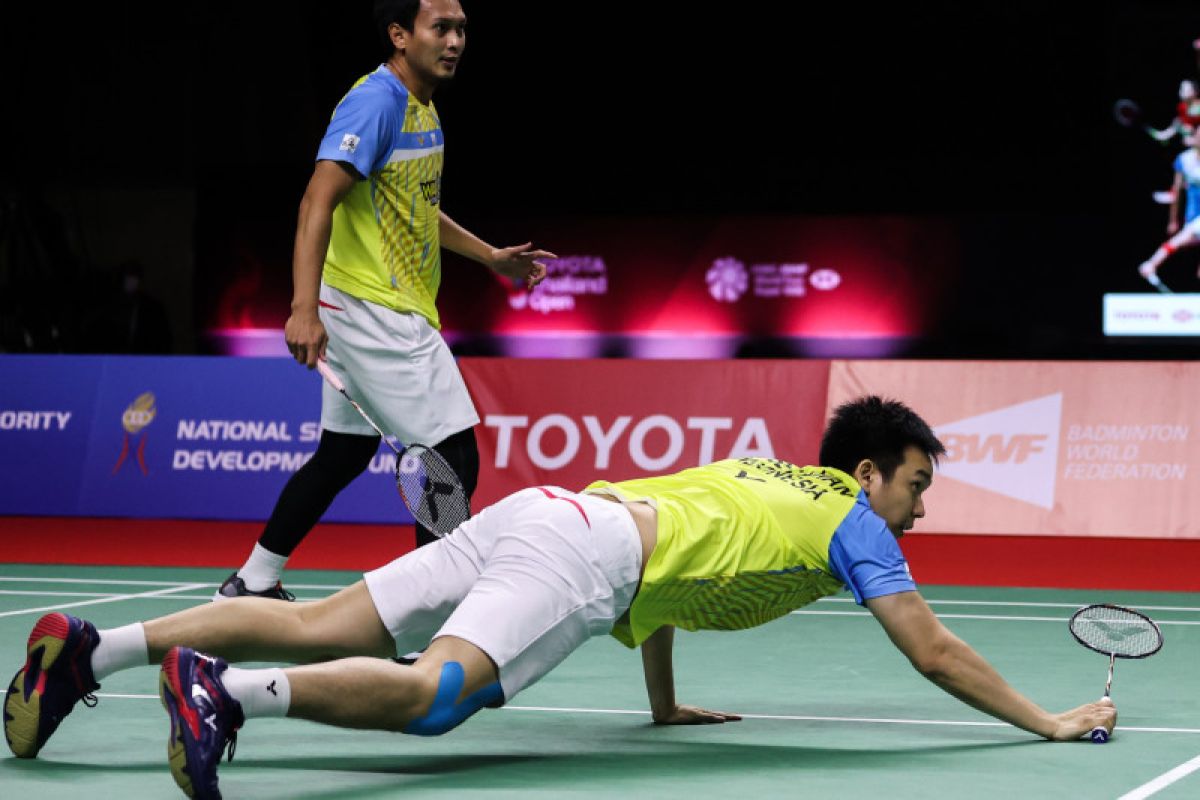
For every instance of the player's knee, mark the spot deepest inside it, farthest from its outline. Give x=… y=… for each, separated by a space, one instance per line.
x=344 y=455
x=446 y=712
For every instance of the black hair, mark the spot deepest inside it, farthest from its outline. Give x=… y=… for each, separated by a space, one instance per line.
x=872 y=428
x=402 y=12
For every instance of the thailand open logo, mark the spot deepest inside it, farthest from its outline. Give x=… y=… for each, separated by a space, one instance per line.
x=137 y=417
x=727 y=280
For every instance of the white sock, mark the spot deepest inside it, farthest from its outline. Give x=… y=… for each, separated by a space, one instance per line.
x=262 y=569
x=262 y=692
x=120 y=648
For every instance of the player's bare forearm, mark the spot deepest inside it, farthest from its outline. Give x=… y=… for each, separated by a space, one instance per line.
x=457 y=239
x=953 y=665
x=660 y=675
x=308 y=255
x=521 y=263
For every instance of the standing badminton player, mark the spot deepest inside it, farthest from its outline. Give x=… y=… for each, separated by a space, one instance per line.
x=1187 y=185
x=366 y=270
x=513 y=591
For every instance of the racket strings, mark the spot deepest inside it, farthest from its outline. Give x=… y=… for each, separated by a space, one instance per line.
x=1116 y=631
x=432 y=490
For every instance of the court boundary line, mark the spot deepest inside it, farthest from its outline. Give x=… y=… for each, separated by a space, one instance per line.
x=1163 y=781
x=780 y=717
x=113 y=599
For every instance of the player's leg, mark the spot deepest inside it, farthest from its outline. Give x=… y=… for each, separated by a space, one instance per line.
x=1187 y=236
x=339 y=459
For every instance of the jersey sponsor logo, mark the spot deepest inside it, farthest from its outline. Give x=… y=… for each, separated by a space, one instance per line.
x=349 y=143
x=1012 y=451
x=431 y=190
x=654 y=443
x=136 y=418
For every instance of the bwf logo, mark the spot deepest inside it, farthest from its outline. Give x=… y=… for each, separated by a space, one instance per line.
x=1012 y=451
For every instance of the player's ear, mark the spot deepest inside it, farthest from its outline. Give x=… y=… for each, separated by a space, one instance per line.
x=865 y=473
x=398 y=35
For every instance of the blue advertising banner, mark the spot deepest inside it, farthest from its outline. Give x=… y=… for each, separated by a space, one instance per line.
x=168 y=437
x=45 y=423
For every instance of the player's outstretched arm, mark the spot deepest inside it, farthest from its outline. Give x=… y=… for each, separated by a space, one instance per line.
x=660 y=685
x=954 y=666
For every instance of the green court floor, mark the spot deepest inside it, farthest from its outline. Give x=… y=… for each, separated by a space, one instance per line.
x=832 y=710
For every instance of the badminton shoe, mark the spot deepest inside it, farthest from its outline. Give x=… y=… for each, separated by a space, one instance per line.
x=57 y=674
x=204 y=719
x=236 y=587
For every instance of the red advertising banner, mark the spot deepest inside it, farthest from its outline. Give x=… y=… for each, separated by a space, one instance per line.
x=1051 y=448
x=568 y=423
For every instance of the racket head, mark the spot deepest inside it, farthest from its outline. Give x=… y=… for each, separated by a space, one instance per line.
x=1127 y=113
x=431 y=489
x=1116 y=631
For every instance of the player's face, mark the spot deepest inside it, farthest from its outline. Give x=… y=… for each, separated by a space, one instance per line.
x=437 y=41
x=898 y=500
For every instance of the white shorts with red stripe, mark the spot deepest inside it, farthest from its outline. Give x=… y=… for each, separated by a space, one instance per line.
x=398 y=368
x=527 y=580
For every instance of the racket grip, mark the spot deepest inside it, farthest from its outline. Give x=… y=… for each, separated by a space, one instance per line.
x=329 y=375
x=1099 y=735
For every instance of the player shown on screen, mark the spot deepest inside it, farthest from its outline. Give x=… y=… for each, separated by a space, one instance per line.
x=1187 y=186
x=512 y=592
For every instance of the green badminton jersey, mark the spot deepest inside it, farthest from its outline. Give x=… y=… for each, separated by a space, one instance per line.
x=744 y=541
x=384 y=247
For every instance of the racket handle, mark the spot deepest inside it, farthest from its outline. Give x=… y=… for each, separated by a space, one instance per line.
x=1099 y=735
x=330 y=376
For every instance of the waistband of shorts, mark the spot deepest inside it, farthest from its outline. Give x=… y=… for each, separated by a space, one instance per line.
x=609 y=520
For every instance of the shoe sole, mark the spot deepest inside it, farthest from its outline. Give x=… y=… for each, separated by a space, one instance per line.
x=23 y=716
x=170 y=691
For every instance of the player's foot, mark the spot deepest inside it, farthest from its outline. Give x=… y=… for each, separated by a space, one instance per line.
x=1148 y=272
x=57 y=674
x=236 y=587
x=204 y=719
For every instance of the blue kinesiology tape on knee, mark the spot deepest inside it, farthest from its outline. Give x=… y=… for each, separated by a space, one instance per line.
x=446 y=715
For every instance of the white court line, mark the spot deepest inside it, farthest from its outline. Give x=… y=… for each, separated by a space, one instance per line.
x=1059 y=620
x=1015 y=603
x=784 y=717
x=1162 y=781
x=114 y=582
x=113 y=599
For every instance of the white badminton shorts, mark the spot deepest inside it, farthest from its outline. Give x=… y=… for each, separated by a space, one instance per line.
x=527 y=580
x=398 y=368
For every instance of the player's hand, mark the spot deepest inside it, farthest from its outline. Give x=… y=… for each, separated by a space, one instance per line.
x=305 y=337
x=1078 y=722
x=520 y=263
x=692 y=715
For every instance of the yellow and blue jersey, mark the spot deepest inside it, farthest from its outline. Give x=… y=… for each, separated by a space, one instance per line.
x=384 y=247
x=745 y=541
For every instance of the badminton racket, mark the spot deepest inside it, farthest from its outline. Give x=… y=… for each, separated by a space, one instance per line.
x=1129 y=115
x=1117 y=633
x=427 y=483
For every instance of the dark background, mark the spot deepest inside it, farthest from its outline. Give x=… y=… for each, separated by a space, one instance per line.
x=181 y=137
